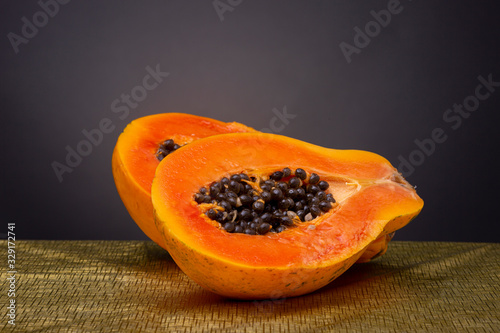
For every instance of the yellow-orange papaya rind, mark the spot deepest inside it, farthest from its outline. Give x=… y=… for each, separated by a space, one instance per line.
x=134 y=159
x=297 y=261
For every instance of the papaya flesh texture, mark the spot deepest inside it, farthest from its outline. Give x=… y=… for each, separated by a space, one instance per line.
x=373 y=201
x=134 y=158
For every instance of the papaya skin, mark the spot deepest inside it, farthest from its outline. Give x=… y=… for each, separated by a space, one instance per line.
x=376 y=249
x=134 y=158
x=374 y=201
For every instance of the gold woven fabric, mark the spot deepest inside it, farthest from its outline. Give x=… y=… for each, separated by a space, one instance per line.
x=134 y=286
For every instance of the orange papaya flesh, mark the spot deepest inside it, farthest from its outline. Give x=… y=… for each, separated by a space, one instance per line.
x=373 y=201
x=134 y=158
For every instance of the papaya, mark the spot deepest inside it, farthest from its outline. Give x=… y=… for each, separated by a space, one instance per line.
x=259 y=216
x=138 y=151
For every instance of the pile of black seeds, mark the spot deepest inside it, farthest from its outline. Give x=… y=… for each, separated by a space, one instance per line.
x=271 y=205
x=165 y=148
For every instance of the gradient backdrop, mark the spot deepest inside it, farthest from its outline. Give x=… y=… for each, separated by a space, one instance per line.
x=351 y=82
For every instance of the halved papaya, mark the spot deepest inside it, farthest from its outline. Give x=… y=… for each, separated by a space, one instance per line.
x=370 y=201
x=138 y=152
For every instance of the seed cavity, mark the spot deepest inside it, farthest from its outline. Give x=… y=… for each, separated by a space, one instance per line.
x=165 y=148
x=257 y=205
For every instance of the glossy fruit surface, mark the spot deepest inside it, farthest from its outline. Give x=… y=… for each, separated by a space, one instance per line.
x=373 y=201
x=135 y=159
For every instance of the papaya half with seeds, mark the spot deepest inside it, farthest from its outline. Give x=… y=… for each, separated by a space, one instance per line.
x=141 y=146
x=370 y=200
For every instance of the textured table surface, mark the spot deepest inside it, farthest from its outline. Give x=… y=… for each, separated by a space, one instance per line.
x=134 y=286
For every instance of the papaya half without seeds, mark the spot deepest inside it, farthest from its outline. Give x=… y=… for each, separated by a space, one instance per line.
x=141 y=146
x=312 y=212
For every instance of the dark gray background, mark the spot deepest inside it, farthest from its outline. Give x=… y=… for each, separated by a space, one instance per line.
x=263 y=55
